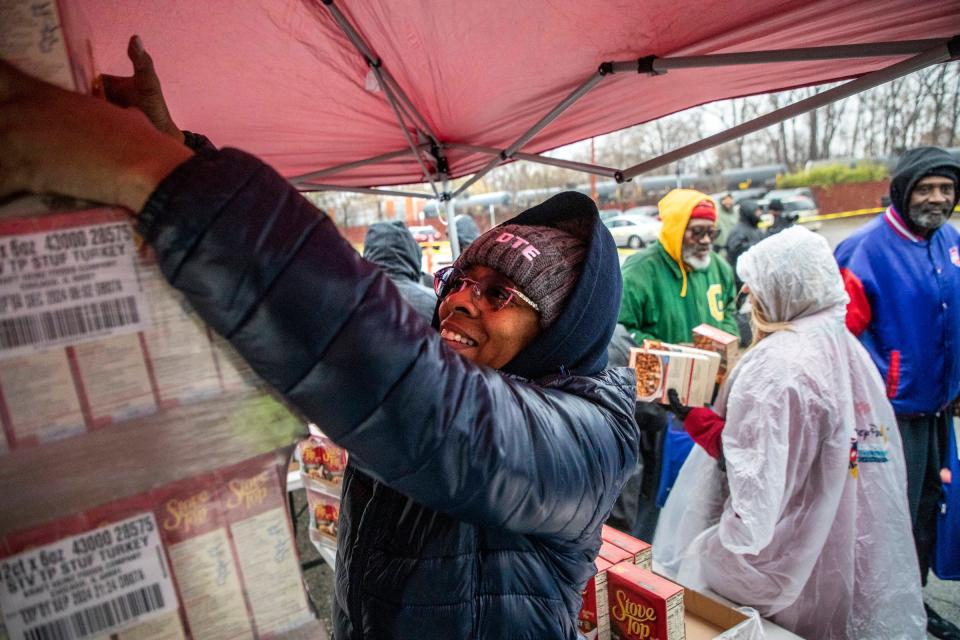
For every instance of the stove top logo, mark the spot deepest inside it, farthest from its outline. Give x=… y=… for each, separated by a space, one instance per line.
x=635 y=615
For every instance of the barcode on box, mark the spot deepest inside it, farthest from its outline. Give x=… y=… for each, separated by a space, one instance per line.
x=94 y=620
x=51 y=327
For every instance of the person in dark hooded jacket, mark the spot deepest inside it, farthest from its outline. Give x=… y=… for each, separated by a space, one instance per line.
x=745 y=234
x=391 y=246
x=484 y=457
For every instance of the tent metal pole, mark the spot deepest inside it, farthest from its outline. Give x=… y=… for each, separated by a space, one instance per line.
x=451 y=220
x=866 y=50
x=508 y=153
x=375 y=63
x=403 y=128
x=584 y=167
x=940 y=53
x=412 y=110
x=354 y=165
x=316 y=186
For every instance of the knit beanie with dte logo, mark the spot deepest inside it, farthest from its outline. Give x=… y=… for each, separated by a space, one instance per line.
x=544 y=262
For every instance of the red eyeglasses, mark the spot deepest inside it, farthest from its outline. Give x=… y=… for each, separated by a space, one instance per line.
x=495 y=294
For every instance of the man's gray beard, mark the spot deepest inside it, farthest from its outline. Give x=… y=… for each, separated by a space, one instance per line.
x=695 y=263
x=928 y=220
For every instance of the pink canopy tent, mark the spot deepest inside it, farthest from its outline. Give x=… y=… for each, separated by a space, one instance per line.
x=319 y=90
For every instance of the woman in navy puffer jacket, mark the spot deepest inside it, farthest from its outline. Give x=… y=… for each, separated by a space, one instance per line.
x=484 y=457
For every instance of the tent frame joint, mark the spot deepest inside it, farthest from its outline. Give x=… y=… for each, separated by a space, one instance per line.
x=645 y=66
x=605 y=68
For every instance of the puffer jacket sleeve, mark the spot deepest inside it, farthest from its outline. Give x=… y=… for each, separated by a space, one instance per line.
x=328 y=330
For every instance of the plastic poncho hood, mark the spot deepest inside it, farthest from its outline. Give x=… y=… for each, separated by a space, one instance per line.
x=810 y=523
x=792 y=275
x=675 y=209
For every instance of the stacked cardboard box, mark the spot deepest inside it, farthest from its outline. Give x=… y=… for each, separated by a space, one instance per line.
x=594 y=619
x=641 y=552
x=143 y=462
x=726 y=344
x=626 y=600
x=643 y=605
x=322 y=464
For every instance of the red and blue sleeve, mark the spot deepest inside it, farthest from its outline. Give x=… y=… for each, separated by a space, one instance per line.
x=858 y=309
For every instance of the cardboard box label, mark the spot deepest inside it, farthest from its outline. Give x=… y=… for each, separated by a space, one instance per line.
x=67 y=286
x=100 y=581
x=39 y=398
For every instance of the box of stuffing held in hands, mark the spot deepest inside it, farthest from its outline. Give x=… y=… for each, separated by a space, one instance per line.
x=662 y=366
x=710 y=338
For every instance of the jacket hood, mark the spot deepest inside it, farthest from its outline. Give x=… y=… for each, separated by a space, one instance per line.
x=914 y=165
x=793 y=274
x=675 y=209
x=391 y=246
x=748 y=213
x=576 y=342
x=467 y=230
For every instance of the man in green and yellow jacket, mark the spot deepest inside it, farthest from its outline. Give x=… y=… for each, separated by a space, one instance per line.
x=679 y=282
x=668 y=289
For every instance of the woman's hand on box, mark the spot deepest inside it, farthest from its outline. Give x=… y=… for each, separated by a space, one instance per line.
x=141 y=90
x=57 y=141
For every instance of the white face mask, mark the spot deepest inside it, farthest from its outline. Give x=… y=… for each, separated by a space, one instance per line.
x=695 y=262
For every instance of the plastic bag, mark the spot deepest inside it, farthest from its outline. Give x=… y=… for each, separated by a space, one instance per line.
x=677 y=445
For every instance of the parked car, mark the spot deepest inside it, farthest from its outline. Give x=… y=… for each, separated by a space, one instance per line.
x=790 y=193
x=644 y=211
x=606 y=214
x=425 y=233
x=634 y=231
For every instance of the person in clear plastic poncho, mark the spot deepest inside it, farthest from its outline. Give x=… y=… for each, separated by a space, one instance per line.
x=809 y=522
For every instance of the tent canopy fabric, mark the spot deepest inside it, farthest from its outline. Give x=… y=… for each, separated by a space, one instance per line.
x=282 y=80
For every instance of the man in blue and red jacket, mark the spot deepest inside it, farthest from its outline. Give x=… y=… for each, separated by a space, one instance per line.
x=902 y=273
